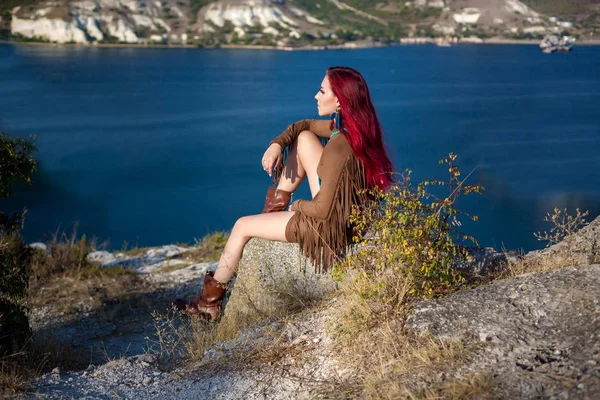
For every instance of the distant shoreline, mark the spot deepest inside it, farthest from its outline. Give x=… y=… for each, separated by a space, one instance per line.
x=346 y=46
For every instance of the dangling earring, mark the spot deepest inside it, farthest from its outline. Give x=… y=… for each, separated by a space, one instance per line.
x=337 y=119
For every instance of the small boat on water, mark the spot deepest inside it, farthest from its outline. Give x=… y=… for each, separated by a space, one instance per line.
x=552 y=43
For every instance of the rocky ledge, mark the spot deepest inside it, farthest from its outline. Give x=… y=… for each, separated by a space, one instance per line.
x=534 y=336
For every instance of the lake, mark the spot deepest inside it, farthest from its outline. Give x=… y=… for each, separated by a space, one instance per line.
x=159 y=146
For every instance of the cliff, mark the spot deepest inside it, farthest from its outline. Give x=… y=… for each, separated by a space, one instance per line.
x=274 y=22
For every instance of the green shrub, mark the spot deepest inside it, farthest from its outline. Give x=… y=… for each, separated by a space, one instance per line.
x=16 y=164
x=412 y=235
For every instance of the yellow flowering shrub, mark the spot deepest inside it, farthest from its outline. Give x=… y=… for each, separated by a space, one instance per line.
x=411 y=233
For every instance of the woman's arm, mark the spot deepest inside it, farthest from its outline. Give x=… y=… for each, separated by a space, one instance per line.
x=319 y=127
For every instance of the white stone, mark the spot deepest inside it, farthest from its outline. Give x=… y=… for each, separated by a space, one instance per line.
x=469 y=15
x=436 y=4
x=471 y=39
x=121 y=30
x=246 y=15
x=498 y=21
x=313 y=20
x=565 y=24
x=534 y=29
x=91 y=26
x=177 y=11
x=271 y=31
x=163 y=24
x=294 y=34
x=444 y=29
x=131 y=4
x=101 y=257
x=54 y=30
x=38 y=246
x=42 y=12
x=516 y=6
x=86 y=5
x=157 y=38
x=240 y=31
x=143 y=20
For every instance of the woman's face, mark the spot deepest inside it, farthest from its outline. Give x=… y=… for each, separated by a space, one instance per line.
x=327 y=102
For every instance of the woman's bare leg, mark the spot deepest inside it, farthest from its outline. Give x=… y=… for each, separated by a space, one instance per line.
x=269 y=226
x=302 y=160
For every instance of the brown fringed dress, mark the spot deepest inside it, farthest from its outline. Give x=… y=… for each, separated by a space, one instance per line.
x=321 y=225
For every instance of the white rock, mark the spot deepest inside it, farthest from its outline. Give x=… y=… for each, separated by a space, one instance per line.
x=471 y=39
x=131 y=4
x=271 y=31
x=294 y=34
x=246 y=15
x=177 y=11
x=43 y=11
x=54 y=30
x=534 y=29
x=38 y=246
x=240 y=31
x=101 y=257
x=469 y=15
x=120 y=29
x=143 y=20
x=436 y=4
x=163 y=24
x=158 y=38
x=91 y=26
x=445 y=29
x=86 y=5
x=516 y=6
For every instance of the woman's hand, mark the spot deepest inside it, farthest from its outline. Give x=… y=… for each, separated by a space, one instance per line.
x=272 y=158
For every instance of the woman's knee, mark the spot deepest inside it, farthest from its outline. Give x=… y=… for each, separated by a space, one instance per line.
x=306 y=137
x=240 y=226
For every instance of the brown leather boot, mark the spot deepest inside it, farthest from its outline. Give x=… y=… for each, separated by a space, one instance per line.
x=276 y=200
x=208 y=305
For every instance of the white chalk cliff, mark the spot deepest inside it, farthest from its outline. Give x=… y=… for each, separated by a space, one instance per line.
x=178 y=21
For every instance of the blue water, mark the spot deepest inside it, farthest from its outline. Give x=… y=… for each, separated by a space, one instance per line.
x=156 y=146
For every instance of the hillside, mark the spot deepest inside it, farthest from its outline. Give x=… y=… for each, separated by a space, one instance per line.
x=289 y=22
x=528 y=330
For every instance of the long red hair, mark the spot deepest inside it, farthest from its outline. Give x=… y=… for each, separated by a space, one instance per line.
x=362 y=128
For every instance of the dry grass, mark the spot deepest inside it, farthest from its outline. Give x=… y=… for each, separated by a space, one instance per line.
x=40 y=354
x=529 y=264
x=92 y=286
x=387 y=361
x=208 y=248
x=178 y=337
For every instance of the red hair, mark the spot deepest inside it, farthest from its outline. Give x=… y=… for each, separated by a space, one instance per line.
x=360 y=125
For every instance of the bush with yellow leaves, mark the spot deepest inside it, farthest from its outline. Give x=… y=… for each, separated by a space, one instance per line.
x=411 y=234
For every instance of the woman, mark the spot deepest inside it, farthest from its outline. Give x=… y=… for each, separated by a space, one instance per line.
x=354 y=159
